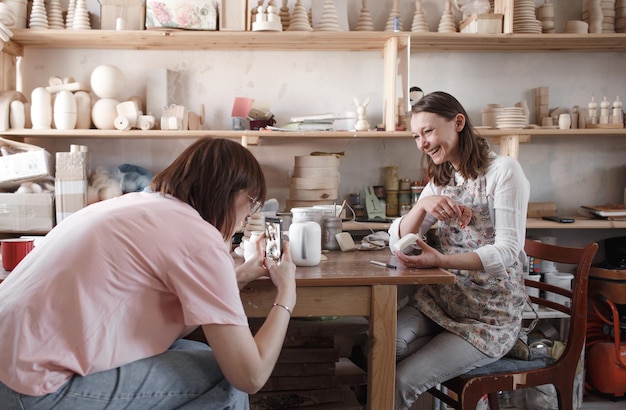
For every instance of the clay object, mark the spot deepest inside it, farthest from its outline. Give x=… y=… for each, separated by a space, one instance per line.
x=299 y=18
x=41 y=109
x=419 y=24
x=83 y=110
x=38 y=16
x=17 y=115
x=361 y=123
x=104 y=112
x=365 y=22
x=107 y=81
x=65 y=111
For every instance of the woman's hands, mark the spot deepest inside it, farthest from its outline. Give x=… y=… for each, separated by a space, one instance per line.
x=429 y=258
x=441 y=207
x=283 y=276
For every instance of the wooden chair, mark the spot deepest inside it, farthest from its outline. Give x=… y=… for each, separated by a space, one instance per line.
x=464 y=392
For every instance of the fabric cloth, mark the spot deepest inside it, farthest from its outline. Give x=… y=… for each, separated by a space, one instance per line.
x=81 y=303
x=185 y=377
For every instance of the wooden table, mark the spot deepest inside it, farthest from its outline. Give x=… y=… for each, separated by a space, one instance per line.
x=347 y=284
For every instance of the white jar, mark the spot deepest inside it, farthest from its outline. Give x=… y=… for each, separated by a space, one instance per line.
x=305 y=243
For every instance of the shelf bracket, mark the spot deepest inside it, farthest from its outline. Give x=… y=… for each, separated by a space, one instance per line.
x=247 y=140
x=390 y=105
x=509 y=144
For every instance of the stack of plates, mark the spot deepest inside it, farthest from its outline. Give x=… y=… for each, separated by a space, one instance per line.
x=511 y=117
x=524 y=19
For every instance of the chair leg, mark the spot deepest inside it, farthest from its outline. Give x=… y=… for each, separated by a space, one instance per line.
x=565 y=397
x=494 y=403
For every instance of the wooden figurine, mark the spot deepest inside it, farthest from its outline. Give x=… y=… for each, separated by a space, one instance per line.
x=365 y=22
x=329 y=20
x=419 y=24
x=38 y=16
x=361 y=110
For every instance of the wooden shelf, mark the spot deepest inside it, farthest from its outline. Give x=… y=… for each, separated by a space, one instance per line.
x=171 y=39
x=306 y=41
x=493 y=134
x=160 y=134
x=579 y=223
x=507 y=43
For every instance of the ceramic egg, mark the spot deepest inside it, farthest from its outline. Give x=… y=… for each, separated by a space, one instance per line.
x=65 y=111
x=41 y=108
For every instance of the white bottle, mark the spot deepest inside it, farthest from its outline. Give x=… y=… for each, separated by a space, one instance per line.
x=41 y=109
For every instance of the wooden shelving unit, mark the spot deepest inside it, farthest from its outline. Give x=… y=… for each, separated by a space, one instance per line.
x=170 y=39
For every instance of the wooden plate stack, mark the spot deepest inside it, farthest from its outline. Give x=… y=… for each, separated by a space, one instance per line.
x=315 y=181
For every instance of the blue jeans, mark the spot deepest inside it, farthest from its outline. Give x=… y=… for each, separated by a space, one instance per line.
x=427 y=355
x=187 y=376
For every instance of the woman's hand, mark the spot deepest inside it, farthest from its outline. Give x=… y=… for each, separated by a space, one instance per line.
x=441 y=207
x=429 y=258
x=283 y=276
x=254 y=267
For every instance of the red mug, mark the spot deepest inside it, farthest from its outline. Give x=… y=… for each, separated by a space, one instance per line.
x=14 y=250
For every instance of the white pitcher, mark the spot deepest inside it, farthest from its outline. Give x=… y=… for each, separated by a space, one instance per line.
x=305 y=243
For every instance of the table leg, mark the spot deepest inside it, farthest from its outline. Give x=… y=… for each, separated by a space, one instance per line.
x=382 y=348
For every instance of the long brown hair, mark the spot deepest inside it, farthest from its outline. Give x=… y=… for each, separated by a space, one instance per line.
x=208 y=175
x=473 y=149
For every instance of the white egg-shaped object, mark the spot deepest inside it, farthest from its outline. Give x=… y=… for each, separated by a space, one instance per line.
x=83 y=110
x=41 y=109
x=104 y=112
x=17 y=115
x=65 y=111
x=107 y=81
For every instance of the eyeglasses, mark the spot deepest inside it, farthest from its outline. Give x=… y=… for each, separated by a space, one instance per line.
x=254 y=205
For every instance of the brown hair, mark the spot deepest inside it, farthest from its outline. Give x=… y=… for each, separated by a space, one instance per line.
x=473 y=149
x=208 y=175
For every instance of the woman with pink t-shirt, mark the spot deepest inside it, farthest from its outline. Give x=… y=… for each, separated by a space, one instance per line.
x=94 y=317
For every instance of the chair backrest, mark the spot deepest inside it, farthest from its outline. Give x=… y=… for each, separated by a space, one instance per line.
x=575 y=301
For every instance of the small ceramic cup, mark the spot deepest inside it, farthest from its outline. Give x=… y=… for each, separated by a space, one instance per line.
x=14 y=250
x=565 y=121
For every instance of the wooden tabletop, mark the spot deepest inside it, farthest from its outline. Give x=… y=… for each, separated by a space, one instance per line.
x=355 y=269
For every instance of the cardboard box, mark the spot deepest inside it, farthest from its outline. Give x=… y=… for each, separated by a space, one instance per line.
x=183 y=14
x=482 y=24
x=131 y=12
x=26 y=213
x=23 y=162
x=72 y=180
x=232 y=15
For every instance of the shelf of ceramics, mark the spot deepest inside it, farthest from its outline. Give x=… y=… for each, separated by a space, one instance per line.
x=202 y=40
x=579 y=223
x=518 y=42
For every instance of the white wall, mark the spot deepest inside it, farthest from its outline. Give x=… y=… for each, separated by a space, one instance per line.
x=570 y=171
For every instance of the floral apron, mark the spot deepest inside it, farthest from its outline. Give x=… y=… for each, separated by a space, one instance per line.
x=483 y=309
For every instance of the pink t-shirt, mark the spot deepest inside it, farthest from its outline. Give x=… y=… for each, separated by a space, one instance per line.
x=118 y=281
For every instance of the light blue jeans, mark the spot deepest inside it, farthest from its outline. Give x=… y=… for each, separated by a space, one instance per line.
x=427 y=355
x=185 y=377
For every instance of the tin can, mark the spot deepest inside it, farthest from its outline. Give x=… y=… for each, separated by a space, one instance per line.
x=392 y=203
x=332 y=226
x=391 y=178
x=405 y=184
